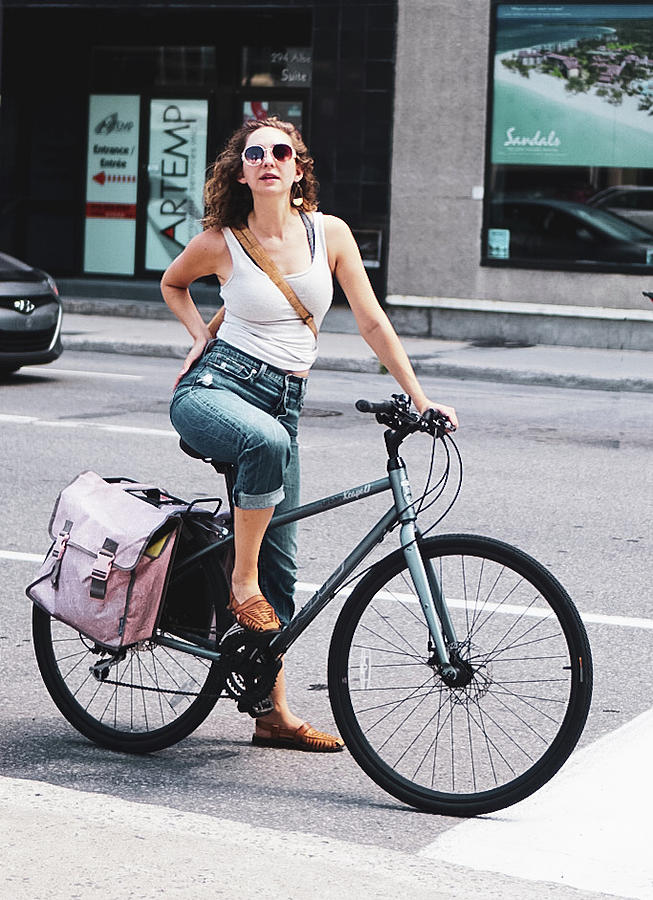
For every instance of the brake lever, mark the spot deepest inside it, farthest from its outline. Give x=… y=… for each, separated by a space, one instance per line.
x=436 y=423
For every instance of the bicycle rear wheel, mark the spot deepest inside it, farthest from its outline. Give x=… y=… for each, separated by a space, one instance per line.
x=155 y=696
x=481 y=746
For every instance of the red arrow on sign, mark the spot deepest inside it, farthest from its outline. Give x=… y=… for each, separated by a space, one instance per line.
x=100 y=178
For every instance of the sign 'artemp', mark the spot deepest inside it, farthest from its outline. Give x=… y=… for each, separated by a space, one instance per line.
x=177 y=166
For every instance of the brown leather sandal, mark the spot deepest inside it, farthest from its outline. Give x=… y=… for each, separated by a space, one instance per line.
x=255 y=613
x=303 y=738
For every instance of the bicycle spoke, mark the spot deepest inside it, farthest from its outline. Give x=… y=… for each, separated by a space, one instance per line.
x=493 y=725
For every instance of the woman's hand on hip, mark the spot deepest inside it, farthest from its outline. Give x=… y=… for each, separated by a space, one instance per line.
x=193 y=355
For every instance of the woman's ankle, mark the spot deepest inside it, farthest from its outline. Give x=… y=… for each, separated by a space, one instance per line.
x=243 y=590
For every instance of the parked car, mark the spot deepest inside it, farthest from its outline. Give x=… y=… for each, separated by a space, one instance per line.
x=628 y=201
x=30 y=316
x=548 y=229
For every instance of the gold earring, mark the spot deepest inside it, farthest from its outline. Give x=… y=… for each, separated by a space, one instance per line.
x=298 y=200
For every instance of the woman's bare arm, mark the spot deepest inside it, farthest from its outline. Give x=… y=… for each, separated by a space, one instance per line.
x=373 y=324
x=205 y=254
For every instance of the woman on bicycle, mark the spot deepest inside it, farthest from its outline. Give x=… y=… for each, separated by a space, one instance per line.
x=238 y=397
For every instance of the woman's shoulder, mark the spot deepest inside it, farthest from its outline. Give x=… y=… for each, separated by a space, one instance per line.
x=210 y=238
x=208 y=243
x=334 y=227
x=338 y=235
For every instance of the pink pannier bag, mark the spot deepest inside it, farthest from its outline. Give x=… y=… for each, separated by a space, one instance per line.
x=107 y=570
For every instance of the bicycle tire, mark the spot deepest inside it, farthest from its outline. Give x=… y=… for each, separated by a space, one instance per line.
x=470 y=750
x=156 y=696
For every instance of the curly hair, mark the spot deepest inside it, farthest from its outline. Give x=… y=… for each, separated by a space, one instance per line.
x=227 y=201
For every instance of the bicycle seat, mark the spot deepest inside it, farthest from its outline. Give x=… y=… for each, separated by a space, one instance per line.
x=221 y=467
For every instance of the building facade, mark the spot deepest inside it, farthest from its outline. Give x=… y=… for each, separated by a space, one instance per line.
x=482 y=152
x=508 y=170
x=112 y=111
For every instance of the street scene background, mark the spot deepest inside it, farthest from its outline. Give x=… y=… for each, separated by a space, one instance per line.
x=561 y=473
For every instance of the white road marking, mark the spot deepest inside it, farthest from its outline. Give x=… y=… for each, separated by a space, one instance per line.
x=86 y=373
x=84 y=423
x=588 y=828
x=22 y=557
x=304 y=587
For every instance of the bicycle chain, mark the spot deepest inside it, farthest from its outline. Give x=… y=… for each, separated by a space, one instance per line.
x=237 y=640
x=143 y=687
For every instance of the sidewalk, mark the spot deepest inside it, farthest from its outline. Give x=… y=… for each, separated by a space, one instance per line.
x=342 y=349
x=61 y=843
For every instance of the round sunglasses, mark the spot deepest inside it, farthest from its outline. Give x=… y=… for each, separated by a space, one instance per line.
x=255 y=154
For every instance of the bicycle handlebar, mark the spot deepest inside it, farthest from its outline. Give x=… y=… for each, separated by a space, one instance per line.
x=396 y=414
x=367 y=406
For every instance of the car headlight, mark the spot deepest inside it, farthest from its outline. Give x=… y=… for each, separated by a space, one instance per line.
x=52 y=285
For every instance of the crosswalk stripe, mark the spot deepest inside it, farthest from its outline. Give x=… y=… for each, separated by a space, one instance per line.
x=588 y=828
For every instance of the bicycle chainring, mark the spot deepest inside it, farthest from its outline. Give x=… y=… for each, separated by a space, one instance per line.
x=250 y=670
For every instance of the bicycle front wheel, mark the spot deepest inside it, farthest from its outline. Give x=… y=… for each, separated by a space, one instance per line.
x=154 y=696
x=527 y=678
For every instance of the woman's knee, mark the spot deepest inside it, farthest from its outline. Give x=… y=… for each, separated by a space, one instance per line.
x=271 y=446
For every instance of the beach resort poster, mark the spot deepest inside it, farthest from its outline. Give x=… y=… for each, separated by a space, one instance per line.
x=573 y=85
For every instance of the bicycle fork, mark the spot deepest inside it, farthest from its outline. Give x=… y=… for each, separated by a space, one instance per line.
x=423 y=575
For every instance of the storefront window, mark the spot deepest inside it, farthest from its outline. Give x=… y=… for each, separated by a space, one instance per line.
x=154 y=66
x=289 y=67
x=570 y=176
x=288 y=111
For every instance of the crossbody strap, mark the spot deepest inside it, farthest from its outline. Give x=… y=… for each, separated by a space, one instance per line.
x=253 y=249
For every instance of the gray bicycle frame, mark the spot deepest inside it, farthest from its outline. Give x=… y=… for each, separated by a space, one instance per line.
x=422 y=572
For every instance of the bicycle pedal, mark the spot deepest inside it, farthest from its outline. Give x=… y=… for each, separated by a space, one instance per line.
x=256 y=710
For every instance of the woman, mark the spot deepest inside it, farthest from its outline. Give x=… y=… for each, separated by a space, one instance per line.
x=238 y=397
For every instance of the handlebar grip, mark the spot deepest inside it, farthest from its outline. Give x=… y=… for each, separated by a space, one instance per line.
x=366 y=406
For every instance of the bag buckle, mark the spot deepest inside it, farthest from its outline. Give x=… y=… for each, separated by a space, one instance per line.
x=60 y=544
x=62 y=539
x=103 y=563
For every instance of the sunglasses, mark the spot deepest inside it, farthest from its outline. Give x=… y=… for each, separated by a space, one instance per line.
x=255 y=154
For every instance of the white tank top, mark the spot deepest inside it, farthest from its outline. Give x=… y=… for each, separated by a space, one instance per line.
x=258 y=318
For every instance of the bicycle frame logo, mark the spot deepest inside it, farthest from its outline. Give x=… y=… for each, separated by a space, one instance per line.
x=355 y=493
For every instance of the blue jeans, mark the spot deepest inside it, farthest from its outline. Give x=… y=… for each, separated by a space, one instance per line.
x=235 y=408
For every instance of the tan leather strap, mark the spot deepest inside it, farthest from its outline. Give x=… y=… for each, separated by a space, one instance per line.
x=252 y=247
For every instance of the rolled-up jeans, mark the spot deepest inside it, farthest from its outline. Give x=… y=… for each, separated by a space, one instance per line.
x=235 y=408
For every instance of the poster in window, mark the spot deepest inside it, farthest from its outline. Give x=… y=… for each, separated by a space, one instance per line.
x=573 y=85
x=287 y=110
x=111 y=184
x=176 y=172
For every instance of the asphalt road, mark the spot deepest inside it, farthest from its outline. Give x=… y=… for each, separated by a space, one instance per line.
x=563 y=474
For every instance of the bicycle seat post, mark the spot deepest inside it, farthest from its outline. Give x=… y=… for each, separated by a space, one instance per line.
x=229 y=473
x=221 y=468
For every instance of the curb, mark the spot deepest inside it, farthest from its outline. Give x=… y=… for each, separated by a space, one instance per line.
x=371 y=366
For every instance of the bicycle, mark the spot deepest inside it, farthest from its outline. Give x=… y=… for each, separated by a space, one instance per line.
x=459 y=671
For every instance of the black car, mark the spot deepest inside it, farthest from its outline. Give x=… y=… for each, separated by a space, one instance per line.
x=548 y=229
x=30 y=316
